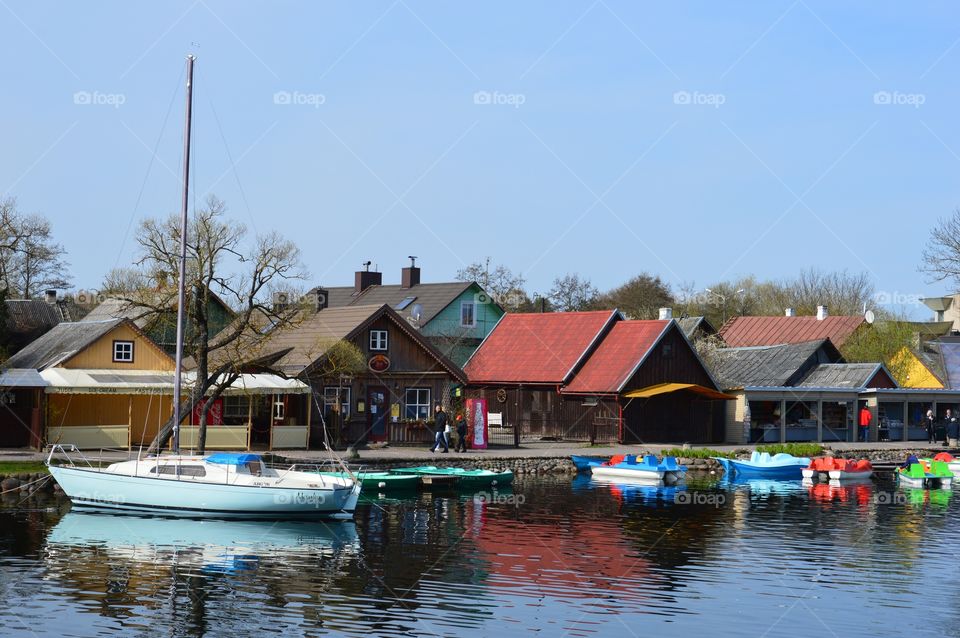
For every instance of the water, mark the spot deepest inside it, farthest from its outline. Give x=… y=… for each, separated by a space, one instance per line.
x=547 y=558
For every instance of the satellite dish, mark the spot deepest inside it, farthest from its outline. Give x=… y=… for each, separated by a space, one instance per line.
x=416 y=311
x=869 y=317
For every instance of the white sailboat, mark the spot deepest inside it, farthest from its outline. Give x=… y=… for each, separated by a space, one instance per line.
x=221 y=485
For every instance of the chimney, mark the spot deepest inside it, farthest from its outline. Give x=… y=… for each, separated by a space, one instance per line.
x=322 y=297
x=50 y=296
x=666 y=313
x=821 y=313
x=363 y=279
x=410 y=276
x=788 y=312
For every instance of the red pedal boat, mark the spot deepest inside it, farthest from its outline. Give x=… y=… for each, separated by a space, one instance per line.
x=838 y=469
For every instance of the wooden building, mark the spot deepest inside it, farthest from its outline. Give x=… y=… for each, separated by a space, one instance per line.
x=595 y=376
x=391 y=399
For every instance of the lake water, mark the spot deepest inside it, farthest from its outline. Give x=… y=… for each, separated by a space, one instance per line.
x=550 y=557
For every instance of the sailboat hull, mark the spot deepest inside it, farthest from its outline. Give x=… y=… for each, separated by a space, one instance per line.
x=93 y=489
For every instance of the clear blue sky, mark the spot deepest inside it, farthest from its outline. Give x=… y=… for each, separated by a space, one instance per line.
x=693 y=140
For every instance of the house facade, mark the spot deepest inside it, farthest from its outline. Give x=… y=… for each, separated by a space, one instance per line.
x=594 y=376
x=390 y=398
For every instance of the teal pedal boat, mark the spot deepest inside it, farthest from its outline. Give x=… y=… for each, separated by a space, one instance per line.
x=468 y=479
x=382 y=481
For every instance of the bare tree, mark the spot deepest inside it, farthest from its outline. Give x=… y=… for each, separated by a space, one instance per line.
x=505 y=286
x=941 y=256
x=30 y=260
x=219 y=263
x=573 y=292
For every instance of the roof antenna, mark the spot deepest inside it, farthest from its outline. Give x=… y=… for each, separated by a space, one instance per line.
x=413 y=260
x=366 y=266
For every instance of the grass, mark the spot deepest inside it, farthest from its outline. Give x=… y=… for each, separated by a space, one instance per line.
x=796 y=449
x=695 y=453
x=21 y=467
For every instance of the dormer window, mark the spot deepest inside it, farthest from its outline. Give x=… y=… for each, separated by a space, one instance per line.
x=378 y=339
x=123 y=352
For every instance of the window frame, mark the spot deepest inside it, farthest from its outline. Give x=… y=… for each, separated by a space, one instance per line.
x=417 y=405
x=123 y=342
x=380 y=335
x=473 y=313
x=328 y=401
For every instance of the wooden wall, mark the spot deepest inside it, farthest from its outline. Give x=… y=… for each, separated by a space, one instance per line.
x=148 y=412
x=99 y=355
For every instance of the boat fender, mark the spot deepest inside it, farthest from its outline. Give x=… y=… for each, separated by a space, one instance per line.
x=382 y=484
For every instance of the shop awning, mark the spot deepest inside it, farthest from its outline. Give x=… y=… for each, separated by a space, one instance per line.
x=80 y=381
x=666 y=388
x=21 y=378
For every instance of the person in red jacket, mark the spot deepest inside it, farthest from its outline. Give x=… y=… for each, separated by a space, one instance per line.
x=865 y=417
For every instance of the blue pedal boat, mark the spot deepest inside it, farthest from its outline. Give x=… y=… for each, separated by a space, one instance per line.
x=584 y=463
x=762 y=465
x=649 y=468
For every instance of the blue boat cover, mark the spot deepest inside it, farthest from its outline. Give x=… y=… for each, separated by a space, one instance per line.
x=231 y=458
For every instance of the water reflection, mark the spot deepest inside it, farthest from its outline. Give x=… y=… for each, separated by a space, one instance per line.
x=728 y=558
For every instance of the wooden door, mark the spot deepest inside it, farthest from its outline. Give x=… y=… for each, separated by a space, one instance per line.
x=377 y=408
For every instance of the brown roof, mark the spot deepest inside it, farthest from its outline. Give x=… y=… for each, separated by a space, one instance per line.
x=432 y=297
x=305 y=343
x=768 y=331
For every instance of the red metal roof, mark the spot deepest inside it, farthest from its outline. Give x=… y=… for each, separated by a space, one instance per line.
x=769 y=331
x=536 y=348
x=619 y=354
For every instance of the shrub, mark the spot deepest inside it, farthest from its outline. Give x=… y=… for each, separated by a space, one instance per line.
x=695 y=453
x=796 y=449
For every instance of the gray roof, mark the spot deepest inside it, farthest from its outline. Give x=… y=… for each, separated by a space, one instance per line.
x=841 y=375
x=28 y=315
x=777 y=366
x=690 y=325
x=432 y=297
x=114 y=308
x=60 y=343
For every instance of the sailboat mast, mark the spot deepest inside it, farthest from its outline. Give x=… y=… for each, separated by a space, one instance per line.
x=181 y=282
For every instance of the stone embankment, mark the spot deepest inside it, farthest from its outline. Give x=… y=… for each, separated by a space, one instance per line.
x=27 y=483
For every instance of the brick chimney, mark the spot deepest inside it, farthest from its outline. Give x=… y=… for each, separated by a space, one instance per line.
x=822 y=313
x=363 y=279
x=410 y=276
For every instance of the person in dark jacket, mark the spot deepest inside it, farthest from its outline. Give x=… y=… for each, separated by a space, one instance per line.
x=461 y=434
x=439 y=428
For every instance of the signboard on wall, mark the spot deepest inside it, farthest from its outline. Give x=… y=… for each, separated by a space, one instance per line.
x=379 y=363
x=214 y=416
x=477 y=422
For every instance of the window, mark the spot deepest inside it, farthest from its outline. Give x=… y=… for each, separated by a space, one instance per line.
x=406 y=302
x=378 y=339
x=417 y=403
x=123 y=351
x=468 y=317
x=184 y=470
x=236 y=407
x=330 y=399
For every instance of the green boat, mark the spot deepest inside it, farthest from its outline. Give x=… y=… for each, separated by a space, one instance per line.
x=382 y=481
x=465 y=478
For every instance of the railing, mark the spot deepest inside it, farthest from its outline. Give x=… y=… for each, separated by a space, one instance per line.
x=90 y=437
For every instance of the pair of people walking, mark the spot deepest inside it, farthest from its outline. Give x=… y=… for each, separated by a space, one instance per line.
x=442 y=432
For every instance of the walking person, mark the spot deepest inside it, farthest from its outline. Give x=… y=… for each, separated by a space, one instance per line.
x=461 y=434
x=865 y=418
x=951 y=422
x=441 y=430
x=931 y=429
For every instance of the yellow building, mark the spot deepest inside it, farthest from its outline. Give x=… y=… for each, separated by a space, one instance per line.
x=911 y=372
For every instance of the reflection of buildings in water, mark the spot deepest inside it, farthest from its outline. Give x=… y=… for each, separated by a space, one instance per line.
x=125 y=566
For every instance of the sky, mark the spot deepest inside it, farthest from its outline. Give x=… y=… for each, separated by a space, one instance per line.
x=698 y=141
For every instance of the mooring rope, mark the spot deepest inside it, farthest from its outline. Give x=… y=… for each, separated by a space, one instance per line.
x=17 y=488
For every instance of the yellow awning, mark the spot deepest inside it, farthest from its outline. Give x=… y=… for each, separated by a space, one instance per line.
x=665 y=388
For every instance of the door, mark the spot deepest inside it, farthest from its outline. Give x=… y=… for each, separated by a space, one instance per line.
x=377 y=408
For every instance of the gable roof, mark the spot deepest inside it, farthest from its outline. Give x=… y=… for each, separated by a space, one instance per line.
x=61 y=343
x=767 y=331
x=432 y=298
x=690 y=325
x=770 y=366
x=115 y=308
x=844 y=375
x=619 y=355
x=303 y=345
x=538 y=347
x=28 y=315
